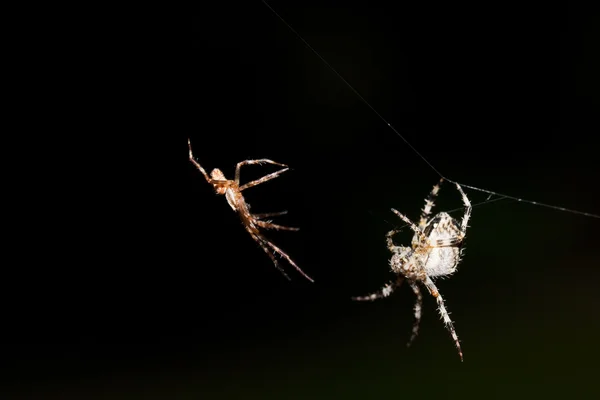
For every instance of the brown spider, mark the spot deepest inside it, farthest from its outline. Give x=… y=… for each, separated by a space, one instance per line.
x=435 y=252
x=252 y=222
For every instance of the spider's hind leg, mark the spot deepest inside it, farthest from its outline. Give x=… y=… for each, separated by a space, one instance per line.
x=267 y=215
x=263 y=246
x=266 y=244
x=444 y=314
x=270 y=225
x=418 y=308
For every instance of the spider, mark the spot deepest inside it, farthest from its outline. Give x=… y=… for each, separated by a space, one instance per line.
x=252 y=222
x=435 y=252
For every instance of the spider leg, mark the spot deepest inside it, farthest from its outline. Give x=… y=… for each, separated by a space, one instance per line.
x=418 y=308
x=267 y=215
x=197 y=164
x=265 y=244
x=270 y=225
x=465 y=199
x=445 y=316
x=289 y=260
x=383 y=292
x=412 y=225
x=389 y=241
x=429 y=204
x=263 y=179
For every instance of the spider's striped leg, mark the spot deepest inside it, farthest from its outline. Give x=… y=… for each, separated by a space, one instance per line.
x=418 y=308
x=390 y=243
x=412 y=225
x=270 y=225
x=465 y=199
x=383 y=292
x=445 y=316
x=429 y=204
x=260 y=180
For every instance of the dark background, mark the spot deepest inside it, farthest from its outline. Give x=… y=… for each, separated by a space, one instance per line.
x=158 y=292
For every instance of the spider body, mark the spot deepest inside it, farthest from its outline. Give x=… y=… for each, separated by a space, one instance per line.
x=232 y=190
x=435 y=251
x=439 y=261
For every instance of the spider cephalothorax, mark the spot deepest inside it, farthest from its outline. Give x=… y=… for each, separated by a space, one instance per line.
x=435 y=251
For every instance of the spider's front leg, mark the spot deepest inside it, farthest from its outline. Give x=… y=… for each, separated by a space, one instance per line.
x=260 y=180
x=197 y=164
x=412 y=225
x=467 y=215
x=429 y=204
x=390 y=243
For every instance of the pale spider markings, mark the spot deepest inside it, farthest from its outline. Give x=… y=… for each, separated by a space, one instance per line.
x=435 y=251
x=252 y=222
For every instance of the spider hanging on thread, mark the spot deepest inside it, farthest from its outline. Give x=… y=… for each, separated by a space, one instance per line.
x=252 y=222
x=435 y=251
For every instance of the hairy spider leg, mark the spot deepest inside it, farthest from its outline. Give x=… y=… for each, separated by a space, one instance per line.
x=383 y=292
x=412 y=225
x=251 y=225
x=262 y=242
x=261 y=161
x=267 y=215
x=390 y=243
x=270 y=225
x=467 y=202
x=444 y=314
x=429 y=204
x=197 y=164
x=260 y=180
x=263 y=179
x=417 y=309
x=266 y=244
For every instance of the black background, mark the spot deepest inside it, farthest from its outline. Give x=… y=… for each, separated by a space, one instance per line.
x=156 y=290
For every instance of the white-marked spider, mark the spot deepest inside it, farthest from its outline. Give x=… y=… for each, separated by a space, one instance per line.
x=252 y=222
x=435 y=251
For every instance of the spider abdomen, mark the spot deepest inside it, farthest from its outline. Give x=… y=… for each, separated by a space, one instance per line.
x=442 y=261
